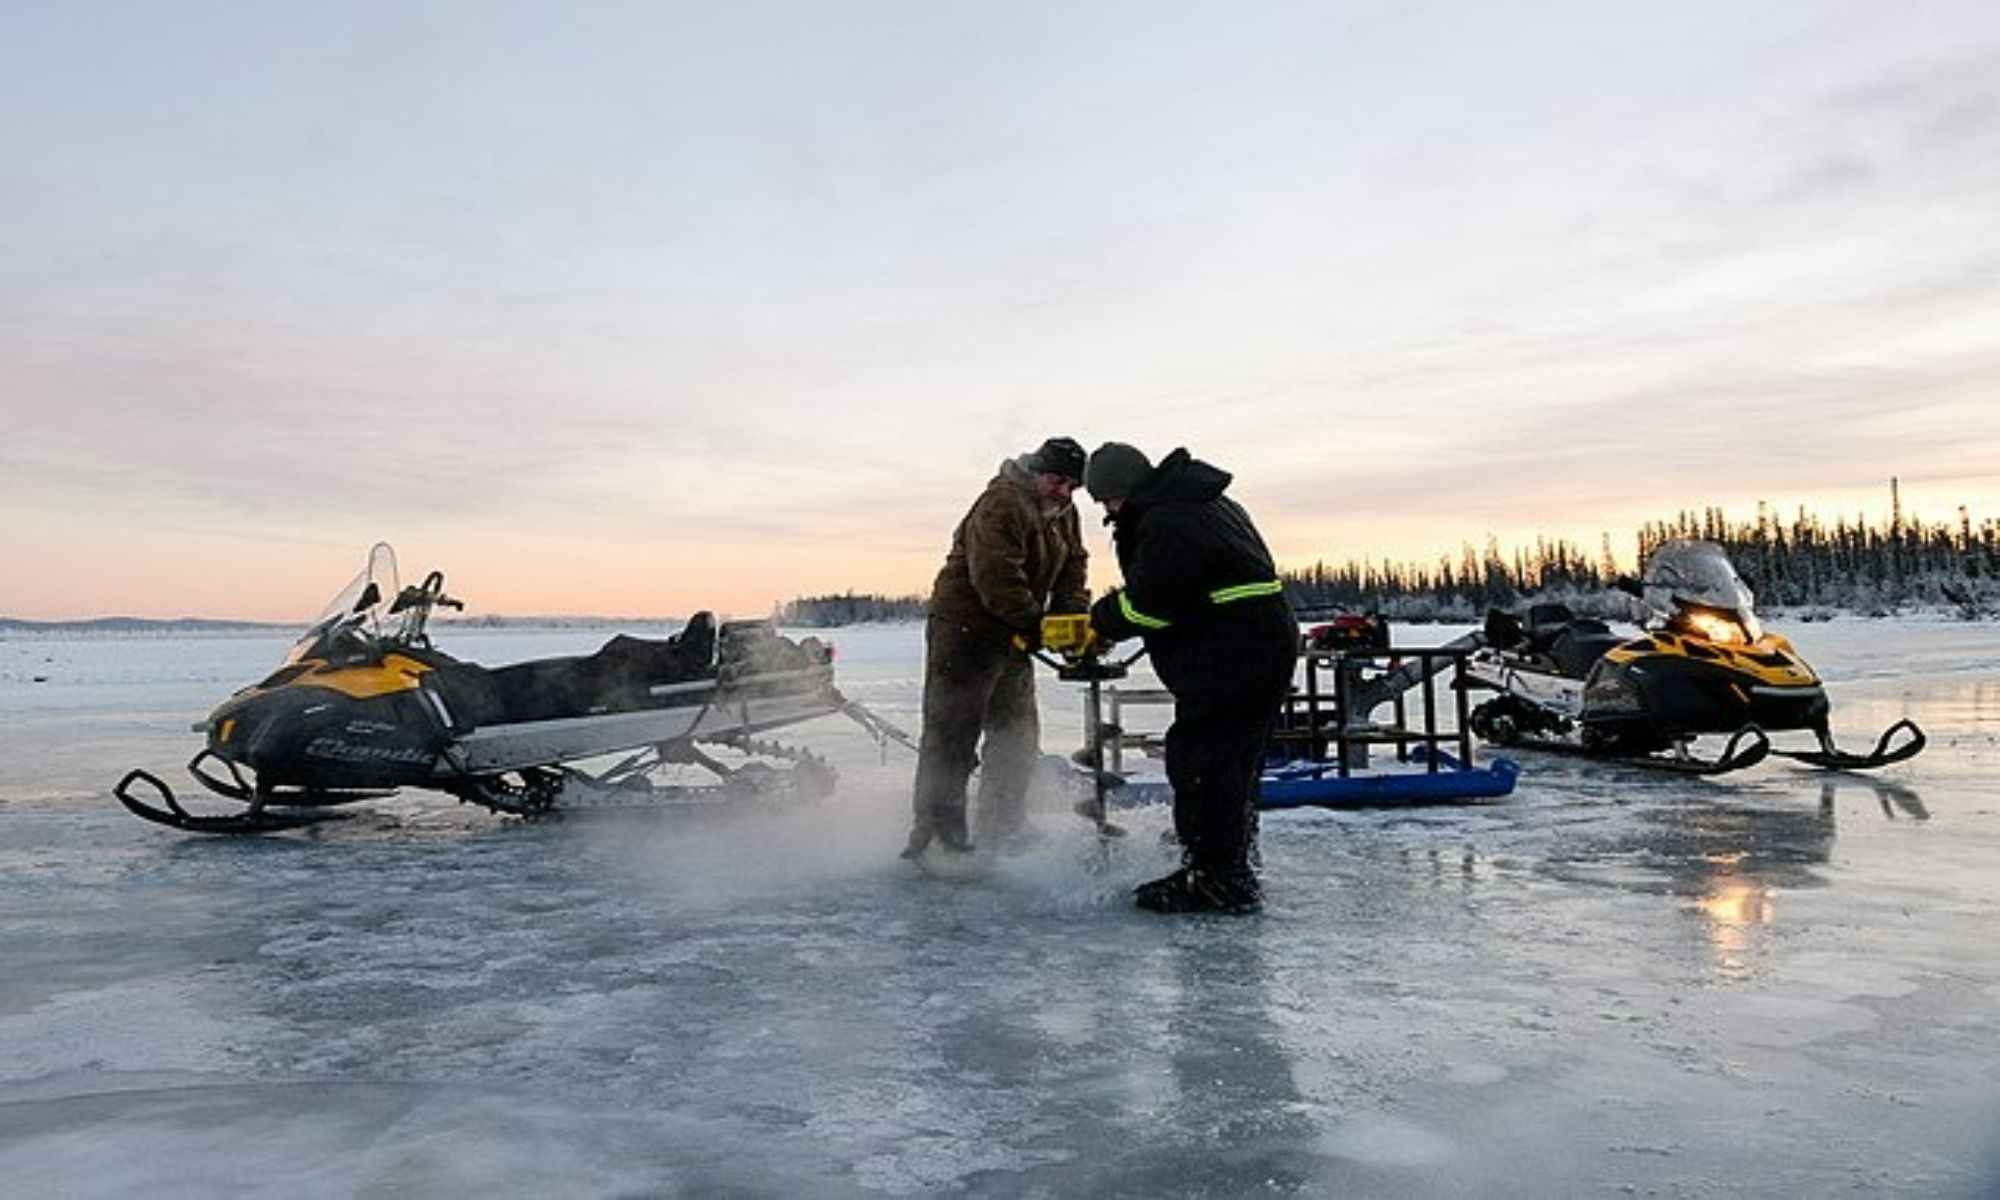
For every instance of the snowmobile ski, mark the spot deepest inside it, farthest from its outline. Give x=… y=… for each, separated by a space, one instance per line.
x=1746 y=747
x=1832 y=758
x=173 y=816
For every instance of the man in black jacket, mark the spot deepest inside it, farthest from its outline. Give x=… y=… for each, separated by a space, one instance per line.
x=1202 y=590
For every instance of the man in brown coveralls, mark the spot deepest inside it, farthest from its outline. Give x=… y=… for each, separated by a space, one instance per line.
x=1016 y=557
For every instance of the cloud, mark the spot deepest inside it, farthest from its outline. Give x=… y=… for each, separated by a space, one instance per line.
x=690 y=289
x=1834 y=175
x=1929 y=119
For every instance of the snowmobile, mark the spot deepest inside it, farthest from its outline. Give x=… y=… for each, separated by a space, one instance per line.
x=1702 y=664
x=364 y=705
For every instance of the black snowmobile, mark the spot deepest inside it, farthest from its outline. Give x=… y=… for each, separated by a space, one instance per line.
x=364 y=705
x=1702 y=664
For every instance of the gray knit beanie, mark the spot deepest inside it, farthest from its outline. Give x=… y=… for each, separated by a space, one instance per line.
x=1114 y=471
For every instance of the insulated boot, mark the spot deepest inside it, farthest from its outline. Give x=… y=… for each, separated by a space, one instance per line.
x=1235 y=893
x=951 y=833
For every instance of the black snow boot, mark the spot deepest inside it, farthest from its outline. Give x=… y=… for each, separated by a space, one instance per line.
x=1235 y=892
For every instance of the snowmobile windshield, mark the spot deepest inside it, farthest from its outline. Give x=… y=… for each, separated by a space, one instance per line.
x=1694 y=583
x=350 y=625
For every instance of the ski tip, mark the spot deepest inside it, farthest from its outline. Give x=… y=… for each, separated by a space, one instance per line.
x=173 y=816
x=1884 y=754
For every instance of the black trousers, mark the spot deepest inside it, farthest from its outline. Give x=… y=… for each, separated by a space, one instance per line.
x=1215 y=757
x=974 y=687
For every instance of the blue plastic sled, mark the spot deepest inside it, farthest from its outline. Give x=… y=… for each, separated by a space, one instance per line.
x=1316 y=784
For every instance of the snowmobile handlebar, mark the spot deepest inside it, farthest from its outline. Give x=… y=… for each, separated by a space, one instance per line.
x=428 y=594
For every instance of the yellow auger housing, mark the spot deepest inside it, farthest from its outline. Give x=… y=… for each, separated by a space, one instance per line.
x=1069 y=634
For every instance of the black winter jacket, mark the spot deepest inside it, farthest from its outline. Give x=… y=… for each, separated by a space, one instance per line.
x=1180 y=543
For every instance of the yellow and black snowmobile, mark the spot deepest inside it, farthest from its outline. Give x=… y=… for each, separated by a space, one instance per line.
x=1702 y=664
x=364 y=705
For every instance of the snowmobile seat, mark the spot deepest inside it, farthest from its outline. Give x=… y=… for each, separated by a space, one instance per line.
x=614 y=679
x=624 y=669
x=1503 y=629
x=542 y=690
x=468 y=690
x=1545 y=623
x=1579 y=644
x=686 y=655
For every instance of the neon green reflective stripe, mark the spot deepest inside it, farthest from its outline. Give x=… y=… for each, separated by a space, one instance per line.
x=1244 y=591
x=1136 y=617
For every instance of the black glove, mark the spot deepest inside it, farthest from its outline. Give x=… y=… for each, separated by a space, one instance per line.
x=1105 y=617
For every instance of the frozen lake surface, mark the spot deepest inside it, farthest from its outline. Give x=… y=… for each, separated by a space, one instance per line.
x=1775 y=984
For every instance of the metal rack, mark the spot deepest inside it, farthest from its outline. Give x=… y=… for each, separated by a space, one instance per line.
x=1364 y=680
x=1329 y=715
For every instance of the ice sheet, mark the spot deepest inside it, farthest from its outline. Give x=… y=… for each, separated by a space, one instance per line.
x=1773 y=984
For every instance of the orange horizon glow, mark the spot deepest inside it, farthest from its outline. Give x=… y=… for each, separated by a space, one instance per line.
x=207 y=576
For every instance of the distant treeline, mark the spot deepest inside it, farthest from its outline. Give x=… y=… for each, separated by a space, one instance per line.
x=1804 y=564
x=136 y=625
x=827 y=612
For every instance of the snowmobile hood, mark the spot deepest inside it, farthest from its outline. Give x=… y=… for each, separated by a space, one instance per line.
x=1179 y=476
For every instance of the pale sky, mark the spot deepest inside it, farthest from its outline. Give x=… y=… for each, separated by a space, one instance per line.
x=632 y=309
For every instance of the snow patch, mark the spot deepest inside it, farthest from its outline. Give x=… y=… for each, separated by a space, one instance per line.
x=1379 y=1140
x=157 y=1025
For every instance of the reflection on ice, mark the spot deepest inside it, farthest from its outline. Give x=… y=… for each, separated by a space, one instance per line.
x=1894 y=798
x=1732 y=908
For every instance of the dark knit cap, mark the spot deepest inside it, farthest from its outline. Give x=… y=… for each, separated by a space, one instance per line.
x=1115 y=469
x=1059 y=456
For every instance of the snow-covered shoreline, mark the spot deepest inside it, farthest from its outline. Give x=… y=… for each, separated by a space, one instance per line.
x=58 y=631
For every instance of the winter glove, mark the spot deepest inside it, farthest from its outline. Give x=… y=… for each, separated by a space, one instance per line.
x=1105 y=618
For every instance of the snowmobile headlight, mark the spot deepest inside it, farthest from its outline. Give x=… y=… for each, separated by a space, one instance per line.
x=1714 y=626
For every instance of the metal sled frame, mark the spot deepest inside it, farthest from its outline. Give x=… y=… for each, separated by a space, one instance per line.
x=1321 y=745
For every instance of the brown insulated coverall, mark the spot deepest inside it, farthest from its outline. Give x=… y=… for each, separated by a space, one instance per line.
x=1009 y=565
